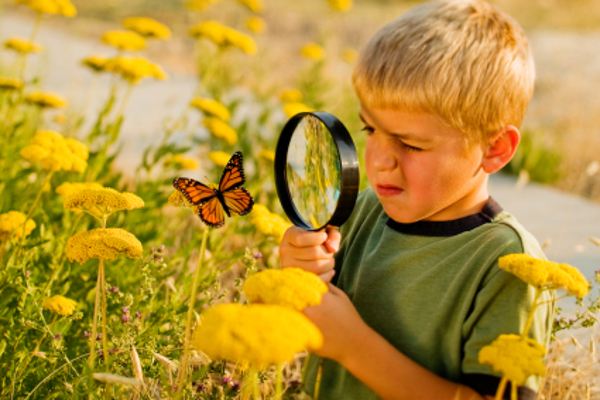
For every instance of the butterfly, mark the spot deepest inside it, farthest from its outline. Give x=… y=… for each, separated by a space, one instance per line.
x=215 y=203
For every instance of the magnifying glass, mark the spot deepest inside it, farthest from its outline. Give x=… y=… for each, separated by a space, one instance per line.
x=316 y=171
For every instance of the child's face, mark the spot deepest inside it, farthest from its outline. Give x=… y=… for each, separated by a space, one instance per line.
x=419 y=167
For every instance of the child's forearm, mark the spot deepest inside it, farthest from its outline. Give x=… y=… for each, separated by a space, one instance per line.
x=393 y=376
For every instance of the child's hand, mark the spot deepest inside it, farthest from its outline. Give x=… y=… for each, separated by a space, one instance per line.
x=339 y=322
x=311 y=251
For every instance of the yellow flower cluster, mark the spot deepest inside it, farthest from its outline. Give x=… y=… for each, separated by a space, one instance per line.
x=68 y=189
x=224 y=36
x=291 y=96
x=103 y=244
x=133 y=69
x=176 y=199
x=124 y=40
x=313 y=51
x=95 y=63
x=219 y=128
x=515 y=357
x=60 y=305
x=7 y=83
x=220 y=158
x=147 y=27
x=211 y=107
x=291 y=109
x=288 y=287
x=267 y=155
x=350 y=55
x=12 y=223
x=23 y=46
x=179 y=161
x=62 y=7
x=257 y=334
x=268 y=223
x=256 y=24
x=56 y=153
x=102 y=202
x=545 y=274
x=340 y=5
x=256 y=6
x=199 y=5
x=46 y=100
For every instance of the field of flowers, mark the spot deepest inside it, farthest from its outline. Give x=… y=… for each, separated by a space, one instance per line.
x=104 y=276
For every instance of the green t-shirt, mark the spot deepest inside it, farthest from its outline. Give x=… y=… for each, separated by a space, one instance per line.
x=433 y=289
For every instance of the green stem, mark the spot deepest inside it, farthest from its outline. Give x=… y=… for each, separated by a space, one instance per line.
x=2 y=250
x=278 y=382
x=501 y=388
x=34 y=32
x=103 y=297
x=318 y=381
x=188 y=327
x=95 y=320
x=529 y=321
x=513 y=391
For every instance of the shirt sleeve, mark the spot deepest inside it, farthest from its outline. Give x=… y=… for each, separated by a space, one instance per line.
x=502 y=307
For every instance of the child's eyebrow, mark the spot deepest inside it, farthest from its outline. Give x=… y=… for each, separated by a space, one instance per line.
x=406 y=136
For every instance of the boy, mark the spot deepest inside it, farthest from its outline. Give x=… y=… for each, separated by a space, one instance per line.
x=443 y=90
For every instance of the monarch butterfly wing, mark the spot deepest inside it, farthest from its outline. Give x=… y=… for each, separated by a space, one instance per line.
x=211 y=213
x=233 y=175
x=238 y=201
x=195 y=192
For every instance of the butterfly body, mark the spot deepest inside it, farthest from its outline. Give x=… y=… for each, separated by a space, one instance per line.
x=228 y=198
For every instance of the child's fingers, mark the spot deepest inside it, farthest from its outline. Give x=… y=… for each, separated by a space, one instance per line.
x=320 y=267
x=328 y=276
x=305 y=253
x=334 y=237
x=300 y=238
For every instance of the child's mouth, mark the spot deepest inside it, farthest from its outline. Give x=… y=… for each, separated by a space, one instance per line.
x=388 y=190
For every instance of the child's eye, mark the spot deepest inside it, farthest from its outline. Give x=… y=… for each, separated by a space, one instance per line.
x=368 y=129
x=411 y=148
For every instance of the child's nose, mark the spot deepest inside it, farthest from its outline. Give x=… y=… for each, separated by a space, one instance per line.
x=384 y=157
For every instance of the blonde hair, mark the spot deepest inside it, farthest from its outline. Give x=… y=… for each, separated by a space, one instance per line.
x=463 y=60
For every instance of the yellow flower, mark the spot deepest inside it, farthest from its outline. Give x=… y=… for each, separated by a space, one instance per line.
x=257 y=334
x=124 y=40
x=211 y=107
x=223 y=36
x=68 y=189
x=46 y=100
x=291 y=96
x=256 y=6
x=23 y=46
x=10 y=83
x=515 y=357
x=55 y=152
x=62 y=7
x=313 y=51
x=102 y=244
x=256 y=24
x=220 y=158
x=292 y=109
x=176 y=199
x=350 y=55
x=60 y=305
x=268 y=223
x=179 y=161
x=340 y=5
x=95 y=63
x=147 y=27
x=133 y=69
x=267 y=155
x=543 y=274
x=199 y=5
x=102 y=202
x=220 y=129
x=13 y=223
x=288 y=287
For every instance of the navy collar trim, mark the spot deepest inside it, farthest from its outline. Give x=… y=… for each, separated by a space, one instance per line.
x=449 y=228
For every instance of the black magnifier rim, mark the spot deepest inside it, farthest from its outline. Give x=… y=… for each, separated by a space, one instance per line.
x=348 y=162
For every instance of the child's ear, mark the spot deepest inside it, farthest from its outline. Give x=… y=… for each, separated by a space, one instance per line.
x=500 y=149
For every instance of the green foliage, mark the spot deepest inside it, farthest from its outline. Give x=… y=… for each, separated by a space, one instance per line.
x=541 y=162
